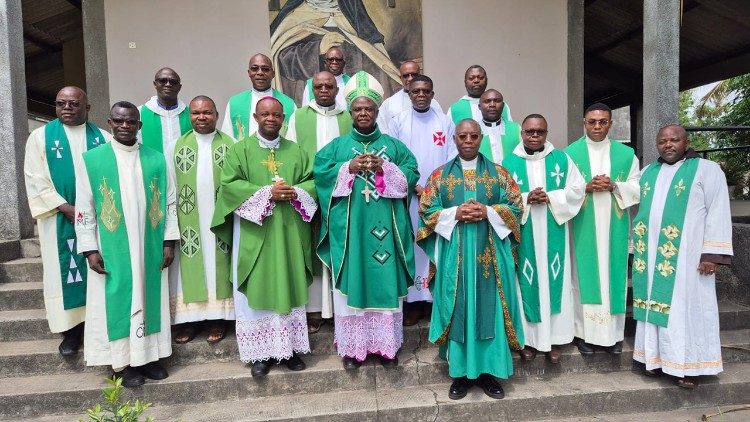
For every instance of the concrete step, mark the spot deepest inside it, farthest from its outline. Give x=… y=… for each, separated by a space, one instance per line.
x=15 y=296
x=30 y=248
x=550 y=396
x=723 y=413
x=22 y=270
x=9 y=250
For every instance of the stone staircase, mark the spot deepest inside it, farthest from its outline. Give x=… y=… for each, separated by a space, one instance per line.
x=209 y=383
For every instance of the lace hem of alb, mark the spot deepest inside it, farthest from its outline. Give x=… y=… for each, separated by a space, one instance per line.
x=394 y=180
x=305 y=205
x=381 y=333
x=273 y=337
x=257 y=207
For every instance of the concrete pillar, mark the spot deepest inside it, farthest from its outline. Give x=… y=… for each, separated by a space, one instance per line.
x=575 y=69
x=15 y=218
x=95 y=55
x=661 y=70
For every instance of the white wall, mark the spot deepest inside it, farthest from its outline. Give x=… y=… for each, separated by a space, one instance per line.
x=522 y=44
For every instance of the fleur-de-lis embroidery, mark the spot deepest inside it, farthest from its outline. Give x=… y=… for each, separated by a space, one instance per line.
x=645 y=189
x=679 y=188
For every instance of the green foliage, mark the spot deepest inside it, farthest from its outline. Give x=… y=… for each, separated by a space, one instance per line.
x=113 y=409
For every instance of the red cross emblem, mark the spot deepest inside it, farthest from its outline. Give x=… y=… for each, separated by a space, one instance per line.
x=438 y=138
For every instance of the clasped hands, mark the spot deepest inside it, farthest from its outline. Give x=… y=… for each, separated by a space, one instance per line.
x=96 y=262
x=600 y=183
x=366 y=162
x=537 y=196
x=471 y=211
x=280 y=191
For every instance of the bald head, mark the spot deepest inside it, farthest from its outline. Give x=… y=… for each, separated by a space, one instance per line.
x=468 y=137
x=325 y=88
x=269 y=114
x=168 y=85
x=72 y=106
x=407 y=71
x=261 y=73
x=334 y=60
x=672 y=143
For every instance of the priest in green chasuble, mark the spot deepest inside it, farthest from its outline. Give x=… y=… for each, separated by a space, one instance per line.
x=127 y=227
x=470 y=210
x=552 y=190
x=202 y=288
x=364 y=180
x=683 y=230
x=53 y=157
x=600 y=233
x=313 y=126
x=268 y=197
x=238 y=116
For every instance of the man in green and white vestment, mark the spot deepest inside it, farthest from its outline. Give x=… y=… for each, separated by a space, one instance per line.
x=313 y=127
x=600 y=233
x=470 y=212
x=400 y=102
x=334 y=63
x=553 y=191
x=164 y=116
x=126 y=226
x=683 y=230
x=500 y=137
x=364 y=180
x=53 y=156
x=202 y=288
x=268 y=197
x=238 y=116
x=467 y=107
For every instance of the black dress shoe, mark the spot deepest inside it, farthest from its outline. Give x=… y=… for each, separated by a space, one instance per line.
x=294 y=363
x=585 y=348
x=261 y=369
x=351 y=364
x=491 y=386
x=153 y=371
x=70 y=345
x=389 y=363
x=614 y=350
x=459 y=388
x=130 y=377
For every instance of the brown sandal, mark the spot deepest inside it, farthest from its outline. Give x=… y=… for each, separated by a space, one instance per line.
x=314 y=324
x=216 y=332
x=686 y=383
x=186 y=333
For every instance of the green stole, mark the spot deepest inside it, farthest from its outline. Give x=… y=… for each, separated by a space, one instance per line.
x=309 y=88
x=192 y=270
x=584 y=230
x=654 y=307
x=239 y=112
x=60 y=164
x=452 y=195
x=151 y=133
x=461 y=109
x=556 y=175
x=509 y=141
x=101 y=165
x=306 y=125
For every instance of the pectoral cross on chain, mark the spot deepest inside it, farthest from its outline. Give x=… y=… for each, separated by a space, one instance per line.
x=367 y=192
x=273 y=166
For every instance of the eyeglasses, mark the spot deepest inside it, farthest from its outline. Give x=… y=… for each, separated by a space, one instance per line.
x=593 y=122
x=409 y=75
x=532 y=132
x=264 y=69
x=464 y=136
x=164 y=81
x=70 y=103
x=122 y=122
x=335 y=59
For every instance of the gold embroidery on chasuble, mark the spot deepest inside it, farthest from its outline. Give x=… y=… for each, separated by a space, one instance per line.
x=451 y=182
x=486 y=258
x=110 y=217
x=240 y=128
x=155 y=213
x=470 y=180
x=488 y=182
x=510 y=330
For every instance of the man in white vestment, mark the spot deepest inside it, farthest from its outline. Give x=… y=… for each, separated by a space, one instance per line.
x=400 y=100
x=164 y=116
x=500 y=137
x=202 y=288
x=334 y=63
x=428 y=134
x=467 y=107
x=238 y=116
x=553 y=191
x=683 y=230
x=53 y=156
x=313 y=126
x=600 y=231
x=127 y=227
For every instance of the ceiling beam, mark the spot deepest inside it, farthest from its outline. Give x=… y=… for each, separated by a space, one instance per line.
x=44 y=45
x=76 y=4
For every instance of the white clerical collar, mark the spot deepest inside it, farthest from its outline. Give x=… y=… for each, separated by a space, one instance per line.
x=326 y=111
x=520 y=151
x=266 y=143
x=493 y=124
x=124 y=147
x=153 y=105
x=468 y=164
x=261 y=94
x=207 y=137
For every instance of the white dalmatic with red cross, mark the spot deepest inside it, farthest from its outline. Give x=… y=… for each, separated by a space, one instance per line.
x=429 y=136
